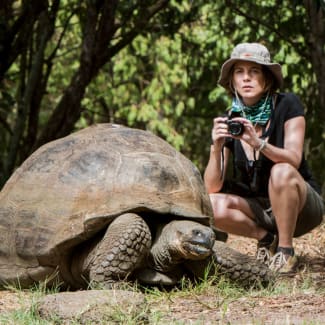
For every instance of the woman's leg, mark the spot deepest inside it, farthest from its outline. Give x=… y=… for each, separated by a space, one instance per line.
x=233 y=214
x=287 y=191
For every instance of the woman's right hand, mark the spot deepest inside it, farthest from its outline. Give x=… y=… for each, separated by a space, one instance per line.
x=219 y=131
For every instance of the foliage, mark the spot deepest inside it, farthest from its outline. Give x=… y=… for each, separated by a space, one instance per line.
x=68 y=64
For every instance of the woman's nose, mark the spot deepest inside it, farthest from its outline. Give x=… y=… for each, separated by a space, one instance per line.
x=246 y=75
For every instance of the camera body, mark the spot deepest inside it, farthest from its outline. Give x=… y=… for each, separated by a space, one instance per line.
x=235 y=128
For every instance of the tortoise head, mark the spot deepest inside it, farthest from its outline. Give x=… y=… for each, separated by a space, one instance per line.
x=181 y=240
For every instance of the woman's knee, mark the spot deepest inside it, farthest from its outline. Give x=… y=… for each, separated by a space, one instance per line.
x=283 y=175
x=222 y=205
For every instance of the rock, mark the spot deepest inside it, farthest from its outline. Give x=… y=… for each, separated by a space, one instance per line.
x=92 y=306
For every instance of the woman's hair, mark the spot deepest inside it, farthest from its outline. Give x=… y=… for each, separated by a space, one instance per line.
x=271 y=83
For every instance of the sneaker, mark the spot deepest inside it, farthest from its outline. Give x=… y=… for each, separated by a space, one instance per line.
x=264 y=254
x=283 y=264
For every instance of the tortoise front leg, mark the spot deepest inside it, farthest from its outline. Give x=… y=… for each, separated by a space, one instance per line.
x=123 y=248
x=238 y=267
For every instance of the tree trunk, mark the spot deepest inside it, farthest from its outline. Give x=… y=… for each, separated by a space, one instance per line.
x=317 y=50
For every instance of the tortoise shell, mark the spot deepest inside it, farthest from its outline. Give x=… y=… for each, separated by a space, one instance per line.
x=72 y=188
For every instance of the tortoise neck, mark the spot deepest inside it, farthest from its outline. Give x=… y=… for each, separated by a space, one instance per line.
x=161 y=256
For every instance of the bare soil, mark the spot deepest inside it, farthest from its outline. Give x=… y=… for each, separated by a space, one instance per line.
x=297 y=306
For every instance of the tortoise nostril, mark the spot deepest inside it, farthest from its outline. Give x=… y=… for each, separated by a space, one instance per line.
x=197 y=232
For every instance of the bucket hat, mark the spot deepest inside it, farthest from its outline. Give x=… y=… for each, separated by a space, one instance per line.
x=253 y=52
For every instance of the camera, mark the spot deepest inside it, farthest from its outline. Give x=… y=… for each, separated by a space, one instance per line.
x=235 y=128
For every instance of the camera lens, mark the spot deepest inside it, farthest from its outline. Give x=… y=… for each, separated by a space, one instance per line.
x=235 y=128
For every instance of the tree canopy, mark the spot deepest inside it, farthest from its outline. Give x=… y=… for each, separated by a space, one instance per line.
x=154 y=65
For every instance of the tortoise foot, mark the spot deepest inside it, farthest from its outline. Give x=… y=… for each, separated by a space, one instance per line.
x=124 y=246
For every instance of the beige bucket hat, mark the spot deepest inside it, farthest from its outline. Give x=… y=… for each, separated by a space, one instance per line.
x=253 y=52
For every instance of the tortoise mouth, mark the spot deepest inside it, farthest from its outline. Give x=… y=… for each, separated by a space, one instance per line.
x=198 y=248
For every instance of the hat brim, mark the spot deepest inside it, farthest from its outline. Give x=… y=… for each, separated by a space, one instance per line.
x=275 y=69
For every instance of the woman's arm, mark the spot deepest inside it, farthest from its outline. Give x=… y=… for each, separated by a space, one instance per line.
x=294 y=134
x=216 y=169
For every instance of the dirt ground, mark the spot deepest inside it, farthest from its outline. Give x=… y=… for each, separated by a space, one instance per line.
x=297 y=307
x=301 y=307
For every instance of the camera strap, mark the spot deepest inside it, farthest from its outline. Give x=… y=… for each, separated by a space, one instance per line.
x=222 y=162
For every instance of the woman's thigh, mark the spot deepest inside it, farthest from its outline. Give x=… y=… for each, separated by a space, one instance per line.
x=312 y=213
x=223 y=205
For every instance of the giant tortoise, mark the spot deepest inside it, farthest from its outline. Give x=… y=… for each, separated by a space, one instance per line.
x=110 y=203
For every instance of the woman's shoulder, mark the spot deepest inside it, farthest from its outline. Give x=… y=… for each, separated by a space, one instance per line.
x=289 y=104
x=292 y=97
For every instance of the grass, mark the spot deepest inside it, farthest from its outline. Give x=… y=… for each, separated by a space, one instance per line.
x=162 y=306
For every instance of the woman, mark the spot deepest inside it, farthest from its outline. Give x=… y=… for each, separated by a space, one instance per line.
x=272 y=196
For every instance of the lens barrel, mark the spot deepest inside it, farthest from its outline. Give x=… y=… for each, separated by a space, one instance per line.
x=235 y=128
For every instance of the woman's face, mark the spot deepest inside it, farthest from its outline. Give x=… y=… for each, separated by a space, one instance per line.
x=249 y=81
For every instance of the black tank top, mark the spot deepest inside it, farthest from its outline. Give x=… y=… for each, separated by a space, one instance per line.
x=254 y=175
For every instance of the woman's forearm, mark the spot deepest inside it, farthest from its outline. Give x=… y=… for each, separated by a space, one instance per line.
x=280 y=155
x=214 y=172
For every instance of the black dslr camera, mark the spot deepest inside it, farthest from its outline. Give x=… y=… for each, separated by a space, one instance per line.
x=234 y=127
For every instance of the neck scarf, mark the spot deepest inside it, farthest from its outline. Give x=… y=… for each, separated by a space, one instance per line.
x=258 y=114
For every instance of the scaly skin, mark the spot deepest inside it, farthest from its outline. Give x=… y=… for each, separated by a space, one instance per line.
x=125 y=250
x=238 y=267
x=178 y=241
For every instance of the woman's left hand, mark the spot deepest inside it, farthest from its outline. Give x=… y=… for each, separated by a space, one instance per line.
x=249 y=135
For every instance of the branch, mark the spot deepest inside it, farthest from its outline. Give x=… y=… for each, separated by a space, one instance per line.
x=251 y=19
x=145 y=14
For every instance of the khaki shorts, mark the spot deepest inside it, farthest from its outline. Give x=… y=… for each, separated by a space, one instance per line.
x=310 y=216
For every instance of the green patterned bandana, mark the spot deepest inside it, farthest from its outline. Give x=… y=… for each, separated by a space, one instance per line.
x=258 y=114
